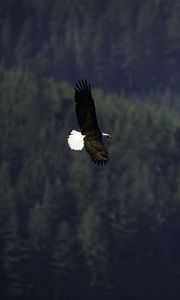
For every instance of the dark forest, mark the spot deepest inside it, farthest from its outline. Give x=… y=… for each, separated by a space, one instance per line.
x=70 y=229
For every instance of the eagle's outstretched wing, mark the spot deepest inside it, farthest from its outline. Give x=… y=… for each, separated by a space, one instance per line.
x=96 y=150
x=85 y=108
x=86 y=115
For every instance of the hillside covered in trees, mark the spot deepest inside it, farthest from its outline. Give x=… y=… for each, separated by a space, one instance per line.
x=69 y=228
x=119 y=45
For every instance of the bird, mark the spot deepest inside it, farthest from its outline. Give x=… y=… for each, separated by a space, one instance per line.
x=90 y=136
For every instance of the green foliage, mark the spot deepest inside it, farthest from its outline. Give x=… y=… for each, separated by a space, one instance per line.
x=123 y=45
x=65 y=222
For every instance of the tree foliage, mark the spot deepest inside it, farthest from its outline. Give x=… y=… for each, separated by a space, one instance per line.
x=70 y=228
x=121 y=45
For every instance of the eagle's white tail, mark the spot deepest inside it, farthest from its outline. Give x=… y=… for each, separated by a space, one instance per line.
x=76 y=140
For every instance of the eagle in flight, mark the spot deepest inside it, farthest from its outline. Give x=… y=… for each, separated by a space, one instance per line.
x=90 y=135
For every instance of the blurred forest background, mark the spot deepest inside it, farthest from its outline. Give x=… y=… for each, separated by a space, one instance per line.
x=68 y=228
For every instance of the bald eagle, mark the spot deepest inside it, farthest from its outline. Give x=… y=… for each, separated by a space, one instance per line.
x=90 y=135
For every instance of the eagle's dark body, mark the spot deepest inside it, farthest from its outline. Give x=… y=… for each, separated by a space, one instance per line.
x=86 y=116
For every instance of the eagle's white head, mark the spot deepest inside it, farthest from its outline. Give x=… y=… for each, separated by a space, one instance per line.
x=76 y=140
